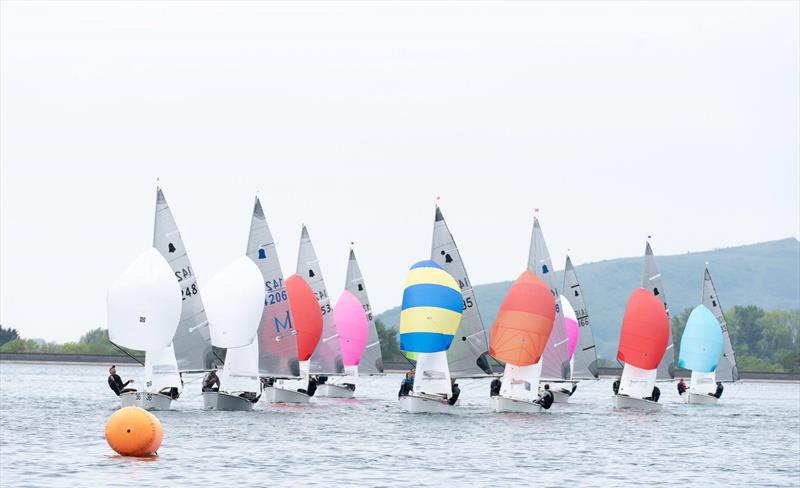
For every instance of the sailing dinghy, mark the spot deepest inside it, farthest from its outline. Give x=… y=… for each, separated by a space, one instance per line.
x=430 y=316
x=371 y=360
x=518 y=337
x=144 y=308
x=307 y=317
x=353 y=327
x=556 y=363
x=234 y=304
x=701 y=348
x=642 y=344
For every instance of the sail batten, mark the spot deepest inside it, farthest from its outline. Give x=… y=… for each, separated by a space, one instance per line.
x=467 y=354
x=192 y=341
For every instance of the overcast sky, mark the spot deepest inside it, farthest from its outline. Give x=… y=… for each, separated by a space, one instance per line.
x=617 y=120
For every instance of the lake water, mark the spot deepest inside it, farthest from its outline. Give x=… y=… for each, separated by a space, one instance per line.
x=52 y=419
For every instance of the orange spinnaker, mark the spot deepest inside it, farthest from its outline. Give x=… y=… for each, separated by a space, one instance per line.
x=306 y=315
x=645 y=331
x=524 y=322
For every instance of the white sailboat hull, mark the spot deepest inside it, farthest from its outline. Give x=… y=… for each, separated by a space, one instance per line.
x=699 y=398
x=505 y=404
x=333 y=391
x=279 y=395
x=416 y=403
x=561 y=392
x=145 y=400
x=213 y=400
x=624 y=401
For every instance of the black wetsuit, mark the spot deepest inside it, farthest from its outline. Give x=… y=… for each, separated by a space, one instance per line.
x=456 y=392
x=494 y=388
x=171 y=392
x=546 y=400
x=656 y=394
x=312 y=387
x=718 y=393
x=405 y=387
x=211 y=382
x=615 y=387
x=116 y=384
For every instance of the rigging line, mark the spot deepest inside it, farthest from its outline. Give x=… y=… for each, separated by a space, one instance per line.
x=126 y=353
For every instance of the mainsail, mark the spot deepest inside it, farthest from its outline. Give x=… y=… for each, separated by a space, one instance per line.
x=192 y=341
x=651 y=281
x=467 y=355
x=726 y=369
x=555 y=365
x=277 y=347
x=371 y=360
x=584 y=364
x=327 y=357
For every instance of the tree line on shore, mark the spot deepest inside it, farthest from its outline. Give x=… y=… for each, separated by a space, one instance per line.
x=763 y=341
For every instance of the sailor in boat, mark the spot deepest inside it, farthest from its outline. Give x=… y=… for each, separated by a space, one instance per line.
x=407 y=384
x=456 y=391
x=494 y=388
x=116 y=384
x=312 y=386
x=615 y=386
x=546 y=398
x=171 y=391
x=681 y=387
x=211 y=381
x=655 y=395
x=718 y=393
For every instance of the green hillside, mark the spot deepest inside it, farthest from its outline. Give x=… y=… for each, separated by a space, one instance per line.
x=765 y=274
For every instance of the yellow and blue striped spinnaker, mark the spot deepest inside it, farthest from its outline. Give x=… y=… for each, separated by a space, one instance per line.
x=431 y=310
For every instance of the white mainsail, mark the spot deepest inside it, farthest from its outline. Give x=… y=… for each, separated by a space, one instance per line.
x=327 y=357
x=651 y=281
x=468 y=354
x=192 y=340
x=144 y=304
x=432 y=376
x=555 y=360
x=276 y=333
x=371 y=360
x=637 y=382
x=161 y=370
x=726 y=368
x=240 y=372
x=521 y=382
x=584 y=361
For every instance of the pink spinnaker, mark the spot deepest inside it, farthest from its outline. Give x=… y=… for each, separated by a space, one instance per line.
x=571 y=324
x=353 y=327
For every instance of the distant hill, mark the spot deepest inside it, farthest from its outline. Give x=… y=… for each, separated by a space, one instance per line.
x=765 y=274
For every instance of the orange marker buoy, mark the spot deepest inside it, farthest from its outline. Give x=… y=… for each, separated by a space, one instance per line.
x=133 y=431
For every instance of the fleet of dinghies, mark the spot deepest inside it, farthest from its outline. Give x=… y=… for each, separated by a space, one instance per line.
x=285 y=341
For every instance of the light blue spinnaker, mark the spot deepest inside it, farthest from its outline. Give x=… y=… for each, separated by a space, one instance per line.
x=701 y=343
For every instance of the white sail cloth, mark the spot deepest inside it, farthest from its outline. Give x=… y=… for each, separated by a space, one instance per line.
x=234 y=300
x=161 y=370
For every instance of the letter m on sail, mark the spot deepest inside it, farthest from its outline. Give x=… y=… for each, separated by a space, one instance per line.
x=286 y=324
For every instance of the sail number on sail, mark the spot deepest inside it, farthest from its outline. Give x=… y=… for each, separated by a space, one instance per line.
x=276 y=292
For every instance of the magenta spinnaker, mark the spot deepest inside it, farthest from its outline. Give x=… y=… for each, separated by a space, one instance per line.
x=353 y=327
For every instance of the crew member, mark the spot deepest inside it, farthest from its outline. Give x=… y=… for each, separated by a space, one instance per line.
x=115 y=382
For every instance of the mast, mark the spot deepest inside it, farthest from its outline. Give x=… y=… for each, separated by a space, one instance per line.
x=192 y=341
x=652 y=282
x=555 y=361
x=327 y=357
x=585 y=359
x=277 y=346
x=726 y=369
x=467 y=355
x=371 y=361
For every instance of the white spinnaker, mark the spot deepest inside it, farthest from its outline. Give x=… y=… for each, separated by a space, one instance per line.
x=703 y=383
x=277 y=351
x=467 y=354
x=192 y=340
x=327 y=357
x=651 y=281
x=584 y=364
x=726 y=368
x=144 y=304
x=240 y=372
x=371 y=361
x=161 y=370
x=637 y=382
x=234 y=303
x=433 y=375
x=521 y=382
x=555 y=359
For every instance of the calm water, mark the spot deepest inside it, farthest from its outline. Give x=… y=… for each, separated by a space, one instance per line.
x=51 y=434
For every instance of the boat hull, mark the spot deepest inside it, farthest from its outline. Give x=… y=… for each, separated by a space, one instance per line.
x=279 y=395
x=333 y=391
x=561 y=392
x=699 y=398
x=505 y=404
x=213 y=400
x=419 y=404
x=624 y=401
x=145 y=400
